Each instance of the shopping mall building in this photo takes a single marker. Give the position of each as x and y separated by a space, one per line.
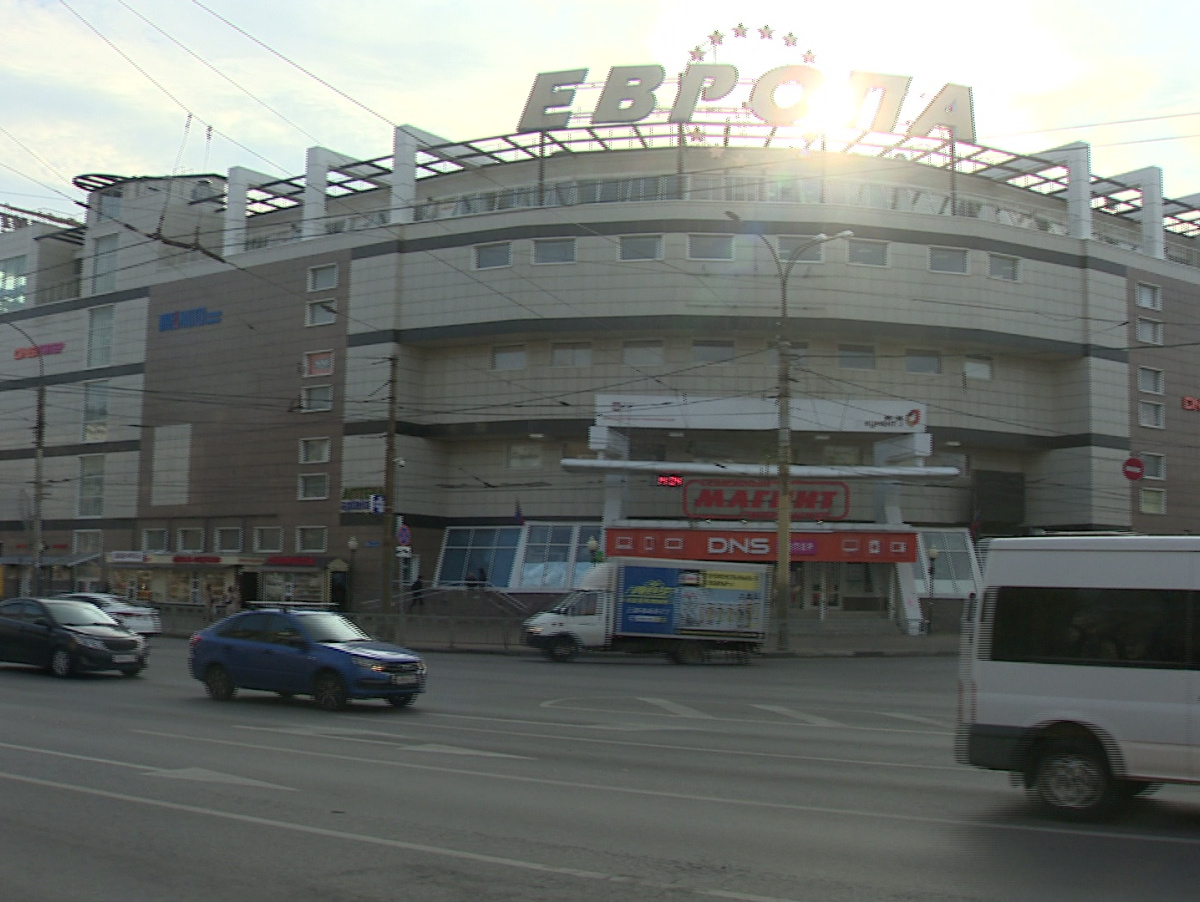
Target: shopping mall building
480 355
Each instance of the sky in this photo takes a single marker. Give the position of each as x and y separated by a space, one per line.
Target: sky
155 87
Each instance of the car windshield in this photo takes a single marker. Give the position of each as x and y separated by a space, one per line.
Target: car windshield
78 613
327 627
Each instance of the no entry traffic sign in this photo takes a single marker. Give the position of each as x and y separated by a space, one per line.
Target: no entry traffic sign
1133 468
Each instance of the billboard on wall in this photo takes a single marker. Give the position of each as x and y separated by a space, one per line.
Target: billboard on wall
688 544
757 499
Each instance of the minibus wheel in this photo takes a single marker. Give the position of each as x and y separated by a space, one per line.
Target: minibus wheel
1072 780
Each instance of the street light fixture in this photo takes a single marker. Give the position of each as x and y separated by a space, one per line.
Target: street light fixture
783 538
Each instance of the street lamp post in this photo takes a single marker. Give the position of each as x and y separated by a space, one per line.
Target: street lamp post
783 538
39 455
352 547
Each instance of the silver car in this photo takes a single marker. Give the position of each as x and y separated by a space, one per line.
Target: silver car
134 617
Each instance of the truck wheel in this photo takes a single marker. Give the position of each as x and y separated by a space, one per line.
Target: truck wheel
562 649
1071 780
688 652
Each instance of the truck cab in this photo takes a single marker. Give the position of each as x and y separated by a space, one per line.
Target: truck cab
581 620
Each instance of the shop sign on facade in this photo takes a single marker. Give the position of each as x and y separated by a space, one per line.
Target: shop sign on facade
753 499
747 545
628 97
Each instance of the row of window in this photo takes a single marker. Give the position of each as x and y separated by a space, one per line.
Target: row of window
229 540
708 247
652 352
1151 414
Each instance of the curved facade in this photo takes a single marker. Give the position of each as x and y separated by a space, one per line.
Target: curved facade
528 287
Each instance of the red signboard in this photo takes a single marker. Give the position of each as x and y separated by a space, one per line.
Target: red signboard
1133 468
757 499
746 545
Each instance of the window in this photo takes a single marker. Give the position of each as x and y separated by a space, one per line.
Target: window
1152 501
1156 465
641 247
977 367
12 283
925 362
323 278
191 539
947 259
310 538
315 450
316 398
1150 380
227 539
508 357
91 485
88 541
100 336
1149 297
313 486
1003 267
524 456
1152 415
710 247
469 551
109 203
856 357
549 551
573 353
268 538
320 313
154 541
642 353
1149 331
554 250
810 252
1090 626
867 253
95 411
104 264
491 256
712 351
318 363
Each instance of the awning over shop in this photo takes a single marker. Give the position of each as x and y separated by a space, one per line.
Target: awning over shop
49 560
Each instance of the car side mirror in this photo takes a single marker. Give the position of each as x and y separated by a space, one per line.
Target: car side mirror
296 642
41 621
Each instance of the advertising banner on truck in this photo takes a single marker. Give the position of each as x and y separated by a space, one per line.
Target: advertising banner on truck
674 601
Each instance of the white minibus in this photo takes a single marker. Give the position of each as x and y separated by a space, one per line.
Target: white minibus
1080 668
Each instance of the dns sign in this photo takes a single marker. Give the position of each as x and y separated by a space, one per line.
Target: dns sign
669 480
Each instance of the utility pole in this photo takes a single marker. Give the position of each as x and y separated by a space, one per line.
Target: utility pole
388 537
783 519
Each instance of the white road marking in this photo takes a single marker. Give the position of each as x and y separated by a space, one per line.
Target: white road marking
675 709
372 737
812 720
915 718
200 775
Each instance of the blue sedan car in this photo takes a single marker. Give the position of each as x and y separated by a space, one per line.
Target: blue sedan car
317 653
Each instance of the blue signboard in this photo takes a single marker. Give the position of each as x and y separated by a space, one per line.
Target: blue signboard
648 600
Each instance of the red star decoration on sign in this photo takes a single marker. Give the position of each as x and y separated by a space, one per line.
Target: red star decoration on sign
740 30
697 54
790 39
766 32
809 56
716 38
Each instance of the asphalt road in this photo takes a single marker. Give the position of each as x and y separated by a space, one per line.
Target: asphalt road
515 779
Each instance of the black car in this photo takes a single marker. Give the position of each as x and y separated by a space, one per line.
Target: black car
67 637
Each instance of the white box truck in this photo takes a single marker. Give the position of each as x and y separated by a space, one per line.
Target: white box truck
682 609
1080 668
